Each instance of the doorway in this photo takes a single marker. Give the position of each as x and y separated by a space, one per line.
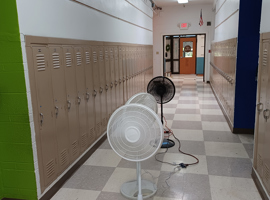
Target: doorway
184 54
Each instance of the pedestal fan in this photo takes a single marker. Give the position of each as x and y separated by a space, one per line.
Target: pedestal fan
135 133
163 91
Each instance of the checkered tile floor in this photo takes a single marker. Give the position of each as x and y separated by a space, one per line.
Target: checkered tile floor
196 119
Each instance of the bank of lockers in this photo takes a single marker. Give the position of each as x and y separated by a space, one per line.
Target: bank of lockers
75 89
262 130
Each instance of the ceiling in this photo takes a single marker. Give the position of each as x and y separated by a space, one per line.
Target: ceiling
162 3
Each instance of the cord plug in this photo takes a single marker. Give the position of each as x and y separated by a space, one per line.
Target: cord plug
183 165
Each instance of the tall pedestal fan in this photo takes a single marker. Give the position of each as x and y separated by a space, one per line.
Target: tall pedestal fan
163 90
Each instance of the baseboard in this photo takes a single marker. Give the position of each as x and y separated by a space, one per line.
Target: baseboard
243 131
259 185
52 191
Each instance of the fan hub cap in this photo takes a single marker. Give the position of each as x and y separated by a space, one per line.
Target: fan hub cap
132 134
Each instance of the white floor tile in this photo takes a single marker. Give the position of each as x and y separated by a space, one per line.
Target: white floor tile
246 138
188 98
224 149
184 134
188 106
208 102
75 194
211 112
103 157
187 117
215 126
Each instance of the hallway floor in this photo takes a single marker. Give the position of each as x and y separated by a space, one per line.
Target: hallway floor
224 170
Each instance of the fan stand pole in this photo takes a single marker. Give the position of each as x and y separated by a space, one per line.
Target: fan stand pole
139 179
161 110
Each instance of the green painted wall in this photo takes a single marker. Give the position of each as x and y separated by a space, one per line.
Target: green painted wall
17 177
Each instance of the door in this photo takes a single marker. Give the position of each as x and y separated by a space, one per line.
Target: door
188 55
108 82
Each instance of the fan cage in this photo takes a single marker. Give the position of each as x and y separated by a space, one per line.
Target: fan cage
142 119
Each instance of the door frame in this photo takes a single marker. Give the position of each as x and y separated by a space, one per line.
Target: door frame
183 35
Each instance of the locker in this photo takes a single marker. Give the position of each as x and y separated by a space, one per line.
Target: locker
90 99
96 93
112 84
81 97
71 102
116 76
120 72
102 83
124 79
128 61
108 89
48 163
59 98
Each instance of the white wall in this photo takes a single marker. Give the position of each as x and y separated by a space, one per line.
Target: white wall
265 25
68 19
226 19
166 23
200 46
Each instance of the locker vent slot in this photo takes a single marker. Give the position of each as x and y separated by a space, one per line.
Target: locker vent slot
63 157
94 56
87 56
106 56
75 147
111 54
56 61
79 58
101 55
68 59
83 140
265 53
50 168
98 129
92 135
259 163
266 172
104 122
40 62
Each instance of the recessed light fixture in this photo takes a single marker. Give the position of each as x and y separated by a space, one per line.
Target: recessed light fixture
182 1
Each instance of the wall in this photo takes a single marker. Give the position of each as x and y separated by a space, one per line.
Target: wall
200 55
126 21
166 23
17 177
265 25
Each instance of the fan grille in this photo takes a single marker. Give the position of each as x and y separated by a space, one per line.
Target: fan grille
144 99
135 132
162 89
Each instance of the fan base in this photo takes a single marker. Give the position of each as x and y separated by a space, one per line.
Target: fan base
130 189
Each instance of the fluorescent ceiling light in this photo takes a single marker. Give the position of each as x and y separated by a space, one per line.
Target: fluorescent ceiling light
182 1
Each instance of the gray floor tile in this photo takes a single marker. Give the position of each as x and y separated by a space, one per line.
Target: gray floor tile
204 106
90 178
224 166
105 145
184 186
169 116
188 94
207 98
213 118
191 147
249 149
220 136
188 102
194 125
187 111
112 196
169 105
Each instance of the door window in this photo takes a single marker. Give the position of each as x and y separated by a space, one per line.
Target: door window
187 49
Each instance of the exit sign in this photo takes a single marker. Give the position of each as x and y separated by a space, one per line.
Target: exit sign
184 25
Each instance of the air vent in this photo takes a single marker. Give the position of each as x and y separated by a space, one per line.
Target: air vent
106 55
94 56
87 56
101 55
68 59
63 157
79 58
83 140
74 147
265 56
40 62
56 61
50 168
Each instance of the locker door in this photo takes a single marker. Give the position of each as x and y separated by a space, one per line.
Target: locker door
112 84
120 70
59 99
262 106
96 93
116 76
127 71
90 100
124 71
81 91
102 91
71 100
46 126
108 82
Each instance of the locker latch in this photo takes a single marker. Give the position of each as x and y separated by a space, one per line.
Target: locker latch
106 87
266 114
56 110
100 90
95 93
111 84
41 118
79 100
68 104
260 107
87 96
115 82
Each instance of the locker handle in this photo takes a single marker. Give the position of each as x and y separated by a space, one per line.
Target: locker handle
41 118
100 90
69 104
79 100
123 79
95 93
87 96
106 87
120 80
115 82
56 110
111 84
260 107
266 117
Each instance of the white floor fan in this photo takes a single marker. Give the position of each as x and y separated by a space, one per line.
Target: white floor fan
135 133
